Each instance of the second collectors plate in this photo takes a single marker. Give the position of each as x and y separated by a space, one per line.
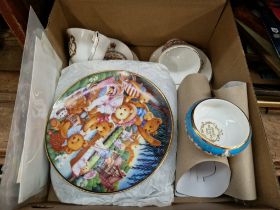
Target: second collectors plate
109 132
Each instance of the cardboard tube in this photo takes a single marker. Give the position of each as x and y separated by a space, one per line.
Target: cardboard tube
242 184
191 160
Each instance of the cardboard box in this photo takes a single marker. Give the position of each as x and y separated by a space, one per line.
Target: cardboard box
145 25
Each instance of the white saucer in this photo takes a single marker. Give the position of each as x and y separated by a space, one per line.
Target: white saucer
206 68
135 57
122 48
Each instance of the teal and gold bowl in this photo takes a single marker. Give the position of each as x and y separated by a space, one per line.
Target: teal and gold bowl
218 127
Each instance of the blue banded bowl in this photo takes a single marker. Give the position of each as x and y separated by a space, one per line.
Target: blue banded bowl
218 127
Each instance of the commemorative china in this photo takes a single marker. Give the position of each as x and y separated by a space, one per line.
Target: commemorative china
218 127
86 45
117 50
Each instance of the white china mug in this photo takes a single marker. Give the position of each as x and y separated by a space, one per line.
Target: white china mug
181 59
86 45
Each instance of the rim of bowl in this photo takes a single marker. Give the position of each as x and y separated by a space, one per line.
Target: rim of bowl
208 141
182 46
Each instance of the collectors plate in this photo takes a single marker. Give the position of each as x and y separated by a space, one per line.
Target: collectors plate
109 132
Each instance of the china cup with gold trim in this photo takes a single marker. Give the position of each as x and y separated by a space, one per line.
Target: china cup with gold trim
86 45
218 127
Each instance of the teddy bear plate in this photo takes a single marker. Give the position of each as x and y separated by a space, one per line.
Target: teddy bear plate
109 132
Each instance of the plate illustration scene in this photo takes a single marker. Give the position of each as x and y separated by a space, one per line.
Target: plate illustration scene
109 131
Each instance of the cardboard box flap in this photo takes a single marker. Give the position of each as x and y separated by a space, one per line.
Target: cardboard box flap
160 20
56 31
138 23
225 40
228 62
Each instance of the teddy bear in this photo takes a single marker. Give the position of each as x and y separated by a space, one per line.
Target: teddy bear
104 128
125 114
55 124
150 128
64 127
99 122
94 118
76 104
152 125
143 112
74 143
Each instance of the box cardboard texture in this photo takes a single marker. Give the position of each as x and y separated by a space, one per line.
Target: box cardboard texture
145 25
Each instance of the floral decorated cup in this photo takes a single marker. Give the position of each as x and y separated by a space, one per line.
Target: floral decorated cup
218 127
86 45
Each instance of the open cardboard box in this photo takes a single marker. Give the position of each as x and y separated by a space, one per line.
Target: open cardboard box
145 25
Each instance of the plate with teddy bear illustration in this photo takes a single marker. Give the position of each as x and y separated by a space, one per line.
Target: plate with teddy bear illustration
109 132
